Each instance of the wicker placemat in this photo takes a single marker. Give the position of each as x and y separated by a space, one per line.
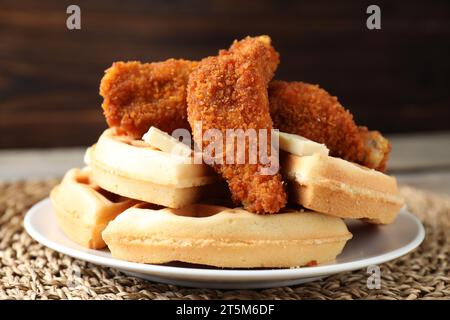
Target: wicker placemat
30 271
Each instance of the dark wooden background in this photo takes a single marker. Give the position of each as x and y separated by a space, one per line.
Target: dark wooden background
396 79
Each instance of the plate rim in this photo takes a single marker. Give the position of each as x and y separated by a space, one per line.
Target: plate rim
218 275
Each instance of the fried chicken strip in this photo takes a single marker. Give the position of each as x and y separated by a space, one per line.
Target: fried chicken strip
376 149
229 91
139 95
310 111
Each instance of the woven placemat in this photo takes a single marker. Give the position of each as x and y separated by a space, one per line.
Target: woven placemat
28 270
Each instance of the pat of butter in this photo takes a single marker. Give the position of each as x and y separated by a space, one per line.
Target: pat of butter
87 156
166 143
300 146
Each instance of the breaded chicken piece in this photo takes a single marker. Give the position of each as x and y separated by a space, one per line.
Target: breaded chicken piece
140 95
376 149
310 111
229 91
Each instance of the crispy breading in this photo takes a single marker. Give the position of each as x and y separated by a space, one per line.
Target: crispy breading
139 95
376 149
310 111
229 91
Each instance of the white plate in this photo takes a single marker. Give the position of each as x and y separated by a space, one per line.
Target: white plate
370 245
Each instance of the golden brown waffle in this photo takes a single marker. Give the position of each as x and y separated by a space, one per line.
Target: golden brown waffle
340 188
223 237
136 170
83 209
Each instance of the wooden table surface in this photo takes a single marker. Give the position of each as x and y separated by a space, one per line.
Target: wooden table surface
420 160
395 79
